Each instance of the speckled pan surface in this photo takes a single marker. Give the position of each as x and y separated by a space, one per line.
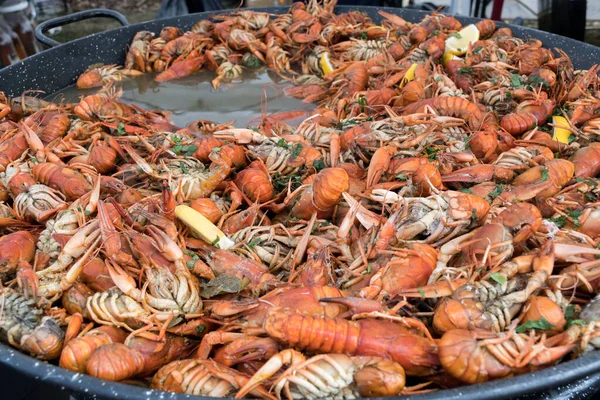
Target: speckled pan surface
568 380
59 67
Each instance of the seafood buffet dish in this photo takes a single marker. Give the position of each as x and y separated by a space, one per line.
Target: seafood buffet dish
430 224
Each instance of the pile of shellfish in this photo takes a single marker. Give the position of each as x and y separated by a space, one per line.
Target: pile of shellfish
430 224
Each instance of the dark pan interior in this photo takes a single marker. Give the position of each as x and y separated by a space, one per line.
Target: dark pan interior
59 67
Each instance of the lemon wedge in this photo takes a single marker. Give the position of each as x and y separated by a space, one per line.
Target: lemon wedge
561 129
203 228
325 64
458 43
409 75
447 57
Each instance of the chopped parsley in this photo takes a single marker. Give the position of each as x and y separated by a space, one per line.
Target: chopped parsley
515 79
431 152
496 192
184 149
558 221
541 324
362 102
296 150
254 242
319 164
575 214
536 80
121 129
498 277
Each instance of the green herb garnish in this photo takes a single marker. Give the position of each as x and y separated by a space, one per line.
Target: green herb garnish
558 221
536 80
254 242
184 149
498 277
318 165
296 150
431 152
362 102
541 324
496 192
579 322
516 81
575 214
121 129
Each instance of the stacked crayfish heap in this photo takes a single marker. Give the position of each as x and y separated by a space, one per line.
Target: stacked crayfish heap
426 220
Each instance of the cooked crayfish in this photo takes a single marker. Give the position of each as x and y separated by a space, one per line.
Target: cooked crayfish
435 216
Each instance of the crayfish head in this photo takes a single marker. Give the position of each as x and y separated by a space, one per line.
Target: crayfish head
383 378
466 205
522 219
45 341
454 314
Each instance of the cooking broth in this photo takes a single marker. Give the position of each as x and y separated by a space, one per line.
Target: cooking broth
193 98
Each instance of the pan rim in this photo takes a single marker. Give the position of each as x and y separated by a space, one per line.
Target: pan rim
546 378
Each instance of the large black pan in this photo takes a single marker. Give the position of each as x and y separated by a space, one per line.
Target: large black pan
57 68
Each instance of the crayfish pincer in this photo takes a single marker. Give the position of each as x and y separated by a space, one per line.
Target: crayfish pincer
23 325
418 355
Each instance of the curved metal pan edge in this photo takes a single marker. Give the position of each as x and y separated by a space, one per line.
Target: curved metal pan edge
84 386
57 68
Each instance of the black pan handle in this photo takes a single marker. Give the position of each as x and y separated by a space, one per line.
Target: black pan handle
40 31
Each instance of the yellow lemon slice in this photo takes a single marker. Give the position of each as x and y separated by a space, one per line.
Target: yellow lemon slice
447 57
561 129
409 75
202 227
458 43
325 64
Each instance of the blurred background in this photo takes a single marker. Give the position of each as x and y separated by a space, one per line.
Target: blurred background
578 19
